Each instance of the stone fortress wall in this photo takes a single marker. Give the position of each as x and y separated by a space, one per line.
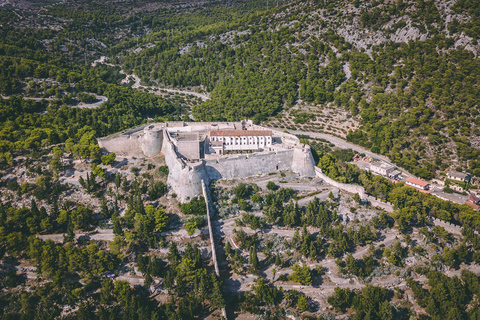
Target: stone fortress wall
129 142
185 176
351 188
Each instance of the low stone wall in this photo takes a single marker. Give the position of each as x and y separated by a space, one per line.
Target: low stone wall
351 188
450 227
387 206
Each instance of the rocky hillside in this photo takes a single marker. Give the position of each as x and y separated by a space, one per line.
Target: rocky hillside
407 69
405 72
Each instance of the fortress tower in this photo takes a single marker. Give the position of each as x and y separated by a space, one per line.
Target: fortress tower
152 140
302 162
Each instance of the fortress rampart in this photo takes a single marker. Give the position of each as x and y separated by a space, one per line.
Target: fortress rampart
185 176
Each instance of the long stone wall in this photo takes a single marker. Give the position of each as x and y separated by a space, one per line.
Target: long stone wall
342 186
450 227
122 143
206 196
241 166
210 230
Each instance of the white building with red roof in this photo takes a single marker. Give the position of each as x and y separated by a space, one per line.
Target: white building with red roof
419 184
239 140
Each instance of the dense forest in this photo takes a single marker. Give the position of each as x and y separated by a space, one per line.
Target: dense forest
406 71
412 97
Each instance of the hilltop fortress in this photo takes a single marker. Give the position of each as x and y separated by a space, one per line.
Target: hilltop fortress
196 151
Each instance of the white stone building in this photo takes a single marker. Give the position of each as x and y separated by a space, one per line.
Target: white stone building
239 140
381 168
418 184
458 176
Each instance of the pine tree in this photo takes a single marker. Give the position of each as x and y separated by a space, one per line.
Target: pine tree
296 238
117 228
70 236
302 303
304 248
254 259
118 180
312 251
148 280
34 209
106 291
173 255
278 260
216 297
55 210
228 248
83 183
104 209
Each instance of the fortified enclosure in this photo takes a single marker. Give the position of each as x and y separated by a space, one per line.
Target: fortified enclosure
212 151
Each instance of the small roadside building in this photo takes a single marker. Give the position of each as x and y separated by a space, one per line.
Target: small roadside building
381 168
458 176
418 184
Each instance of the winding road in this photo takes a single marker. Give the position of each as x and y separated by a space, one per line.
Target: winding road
93 105
338 142
137 85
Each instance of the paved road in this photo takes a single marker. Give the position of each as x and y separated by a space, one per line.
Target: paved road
137 85
346 145
100 236
30 98
100 100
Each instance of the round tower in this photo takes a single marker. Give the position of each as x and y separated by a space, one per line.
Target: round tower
189 181
303 162
152 141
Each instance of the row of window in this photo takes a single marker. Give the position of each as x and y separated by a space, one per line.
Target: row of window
237 139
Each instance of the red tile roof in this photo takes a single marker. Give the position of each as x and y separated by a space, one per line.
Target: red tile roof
473 205
473 198
418 182
239 133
